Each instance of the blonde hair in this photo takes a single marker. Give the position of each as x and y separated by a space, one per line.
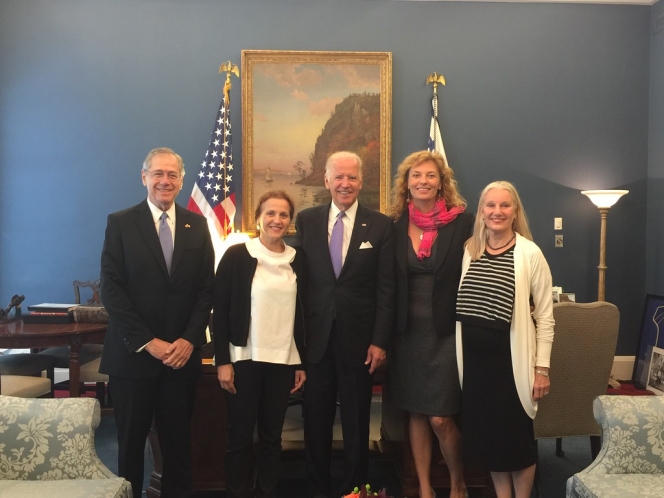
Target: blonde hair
477 243
400 192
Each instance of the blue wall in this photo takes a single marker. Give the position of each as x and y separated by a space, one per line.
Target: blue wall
554 98
655 231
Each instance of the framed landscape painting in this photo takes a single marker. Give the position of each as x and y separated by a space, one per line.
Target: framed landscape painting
298 108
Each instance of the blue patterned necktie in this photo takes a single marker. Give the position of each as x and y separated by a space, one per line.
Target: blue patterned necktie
337 244
166 240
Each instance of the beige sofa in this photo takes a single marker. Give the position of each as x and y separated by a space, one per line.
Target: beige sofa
47 450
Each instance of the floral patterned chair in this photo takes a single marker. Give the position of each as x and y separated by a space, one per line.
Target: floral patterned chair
47 450
631 460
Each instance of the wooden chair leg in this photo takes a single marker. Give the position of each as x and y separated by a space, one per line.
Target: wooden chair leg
50 373
100 388
595 445
537 485
559 447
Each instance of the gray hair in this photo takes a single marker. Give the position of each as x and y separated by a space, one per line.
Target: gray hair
337 156
163 150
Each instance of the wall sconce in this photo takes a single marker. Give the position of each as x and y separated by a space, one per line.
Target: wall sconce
603 199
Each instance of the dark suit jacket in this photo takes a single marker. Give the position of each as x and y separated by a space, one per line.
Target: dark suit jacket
362 299
232 301
449 253
143 301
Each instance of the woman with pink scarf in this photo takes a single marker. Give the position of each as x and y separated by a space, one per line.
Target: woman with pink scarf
431 229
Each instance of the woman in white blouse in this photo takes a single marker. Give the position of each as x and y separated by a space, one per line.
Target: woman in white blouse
259 342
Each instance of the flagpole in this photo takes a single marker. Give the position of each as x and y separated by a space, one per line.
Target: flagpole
227 67
435 138
436 78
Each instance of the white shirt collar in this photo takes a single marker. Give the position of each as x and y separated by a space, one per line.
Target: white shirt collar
156 212
351 212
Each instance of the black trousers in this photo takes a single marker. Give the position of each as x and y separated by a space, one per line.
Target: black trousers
330 377
261 400
170 402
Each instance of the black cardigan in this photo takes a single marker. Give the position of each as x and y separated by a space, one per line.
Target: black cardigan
232 301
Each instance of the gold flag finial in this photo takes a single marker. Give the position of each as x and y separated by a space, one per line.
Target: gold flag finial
228 67
436 78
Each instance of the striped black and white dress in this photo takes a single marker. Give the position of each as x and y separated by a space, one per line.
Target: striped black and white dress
497 434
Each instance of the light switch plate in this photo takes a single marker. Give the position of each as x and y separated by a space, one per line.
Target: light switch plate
557 223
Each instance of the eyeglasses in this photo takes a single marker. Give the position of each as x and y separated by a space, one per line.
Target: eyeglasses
159 175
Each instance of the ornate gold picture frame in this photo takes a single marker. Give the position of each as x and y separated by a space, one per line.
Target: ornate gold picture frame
298 108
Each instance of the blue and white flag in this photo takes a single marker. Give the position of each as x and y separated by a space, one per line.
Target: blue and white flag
435 138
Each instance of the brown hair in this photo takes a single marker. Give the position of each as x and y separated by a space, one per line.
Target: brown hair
274 194
400 190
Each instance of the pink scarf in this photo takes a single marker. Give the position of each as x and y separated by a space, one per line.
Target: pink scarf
430 222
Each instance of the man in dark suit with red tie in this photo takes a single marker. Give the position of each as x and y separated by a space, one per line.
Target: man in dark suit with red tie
157 268
350 319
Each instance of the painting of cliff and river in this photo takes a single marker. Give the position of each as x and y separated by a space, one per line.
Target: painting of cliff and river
300 107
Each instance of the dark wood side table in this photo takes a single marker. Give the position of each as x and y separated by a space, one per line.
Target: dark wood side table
21 335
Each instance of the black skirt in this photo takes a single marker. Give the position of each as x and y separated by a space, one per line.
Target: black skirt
497 433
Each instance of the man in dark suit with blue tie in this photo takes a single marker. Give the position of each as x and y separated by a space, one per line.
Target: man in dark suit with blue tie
350 319
157 268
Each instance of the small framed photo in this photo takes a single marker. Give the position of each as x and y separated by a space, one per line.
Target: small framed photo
556 291
649 339
656 374
567 297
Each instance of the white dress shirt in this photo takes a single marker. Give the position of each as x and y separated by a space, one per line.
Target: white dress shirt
156 215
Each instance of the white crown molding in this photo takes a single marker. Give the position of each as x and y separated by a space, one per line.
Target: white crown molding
605 2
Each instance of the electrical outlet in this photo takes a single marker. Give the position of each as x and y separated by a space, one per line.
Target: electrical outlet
557 223
559 241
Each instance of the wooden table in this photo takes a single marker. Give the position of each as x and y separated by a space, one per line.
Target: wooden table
17 335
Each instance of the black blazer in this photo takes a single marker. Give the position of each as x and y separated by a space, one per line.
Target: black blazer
143 301
362 299
232 301
449 254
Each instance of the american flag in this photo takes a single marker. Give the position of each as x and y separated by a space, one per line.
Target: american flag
435 138
214 191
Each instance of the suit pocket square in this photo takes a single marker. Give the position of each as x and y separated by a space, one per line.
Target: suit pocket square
366 245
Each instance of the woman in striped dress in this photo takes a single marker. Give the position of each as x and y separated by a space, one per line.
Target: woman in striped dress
503 356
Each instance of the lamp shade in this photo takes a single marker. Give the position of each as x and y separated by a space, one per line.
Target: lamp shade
604 198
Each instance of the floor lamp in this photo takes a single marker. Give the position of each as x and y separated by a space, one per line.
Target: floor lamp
603 199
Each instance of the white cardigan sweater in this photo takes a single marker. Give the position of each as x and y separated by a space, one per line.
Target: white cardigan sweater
530 345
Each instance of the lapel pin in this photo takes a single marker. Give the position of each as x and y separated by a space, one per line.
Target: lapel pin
187 225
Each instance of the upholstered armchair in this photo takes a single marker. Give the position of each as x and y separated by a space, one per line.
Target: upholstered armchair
47 450
631 460
581 359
